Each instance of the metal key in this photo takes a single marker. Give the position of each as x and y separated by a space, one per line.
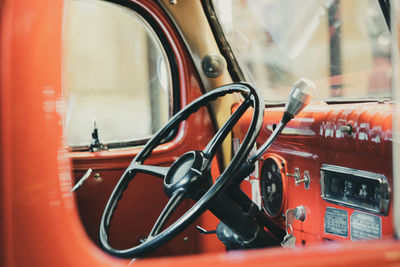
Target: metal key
288 241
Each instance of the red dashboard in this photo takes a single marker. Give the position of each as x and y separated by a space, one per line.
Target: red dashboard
355 141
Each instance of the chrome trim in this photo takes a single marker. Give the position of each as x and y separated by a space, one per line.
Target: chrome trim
383 182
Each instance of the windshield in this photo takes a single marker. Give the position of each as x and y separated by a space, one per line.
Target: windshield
343 46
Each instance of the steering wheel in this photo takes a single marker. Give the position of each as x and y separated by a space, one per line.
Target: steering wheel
189 176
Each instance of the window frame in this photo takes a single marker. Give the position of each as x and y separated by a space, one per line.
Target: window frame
174 91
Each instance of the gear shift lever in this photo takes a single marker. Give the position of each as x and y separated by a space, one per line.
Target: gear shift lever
299 97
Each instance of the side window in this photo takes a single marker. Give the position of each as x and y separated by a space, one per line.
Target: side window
115 72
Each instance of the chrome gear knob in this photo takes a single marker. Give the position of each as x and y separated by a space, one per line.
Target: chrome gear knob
300 95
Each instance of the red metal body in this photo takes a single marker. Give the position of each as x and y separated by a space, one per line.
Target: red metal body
40 222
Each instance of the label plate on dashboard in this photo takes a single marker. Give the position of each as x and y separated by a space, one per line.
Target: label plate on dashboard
336 222
365 226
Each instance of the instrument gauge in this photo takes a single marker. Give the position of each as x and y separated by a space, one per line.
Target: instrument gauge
272 187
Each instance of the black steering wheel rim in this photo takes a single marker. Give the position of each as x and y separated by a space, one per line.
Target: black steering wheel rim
222 182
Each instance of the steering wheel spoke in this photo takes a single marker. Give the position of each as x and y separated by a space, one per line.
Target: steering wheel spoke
171 206
220 136
150 169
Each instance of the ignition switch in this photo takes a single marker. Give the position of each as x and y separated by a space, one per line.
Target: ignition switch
300 213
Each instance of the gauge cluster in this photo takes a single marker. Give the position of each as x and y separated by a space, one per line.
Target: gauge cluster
272 186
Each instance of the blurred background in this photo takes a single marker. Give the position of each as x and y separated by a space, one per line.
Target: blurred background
343 46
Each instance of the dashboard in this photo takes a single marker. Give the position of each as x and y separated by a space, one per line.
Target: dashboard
329 174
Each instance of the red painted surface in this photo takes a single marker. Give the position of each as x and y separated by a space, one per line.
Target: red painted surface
385 253
313 138
40 224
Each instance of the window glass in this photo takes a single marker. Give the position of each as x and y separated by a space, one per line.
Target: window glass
343 46
115 72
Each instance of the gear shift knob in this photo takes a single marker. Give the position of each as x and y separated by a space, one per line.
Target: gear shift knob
300 95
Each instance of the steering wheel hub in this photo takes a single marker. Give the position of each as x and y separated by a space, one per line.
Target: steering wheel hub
186 174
